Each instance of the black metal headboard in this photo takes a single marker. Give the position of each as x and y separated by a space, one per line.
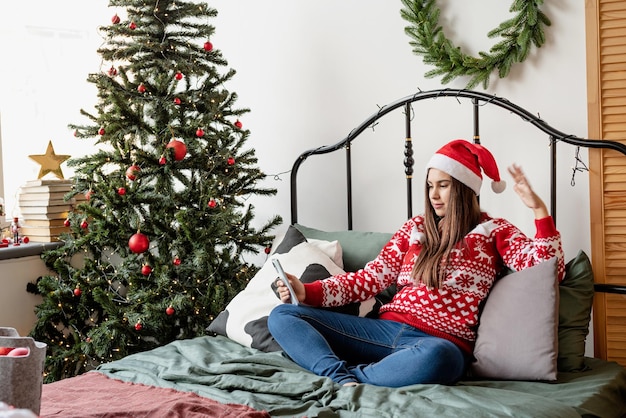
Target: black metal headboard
478 99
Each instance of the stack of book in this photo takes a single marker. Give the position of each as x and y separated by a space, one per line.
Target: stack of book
44 209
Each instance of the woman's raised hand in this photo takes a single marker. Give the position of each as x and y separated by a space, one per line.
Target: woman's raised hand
526 193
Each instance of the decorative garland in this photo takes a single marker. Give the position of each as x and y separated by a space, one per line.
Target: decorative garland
518 34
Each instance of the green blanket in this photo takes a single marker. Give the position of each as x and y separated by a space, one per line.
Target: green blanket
225 371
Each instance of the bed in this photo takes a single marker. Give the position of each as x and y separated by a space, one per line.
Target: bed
237 370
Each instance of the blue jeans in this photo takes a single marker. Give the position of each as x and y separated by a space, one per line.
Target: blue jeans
349 348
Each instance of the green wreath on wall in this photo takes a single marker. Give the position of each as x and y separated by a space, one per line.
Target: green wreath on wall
518 35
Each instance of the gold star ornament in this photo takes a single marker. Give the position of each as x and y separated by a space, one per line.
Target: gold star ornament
50 162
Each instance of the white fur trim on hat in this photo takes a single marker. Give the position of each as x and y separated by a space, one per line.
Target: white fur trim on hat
457 170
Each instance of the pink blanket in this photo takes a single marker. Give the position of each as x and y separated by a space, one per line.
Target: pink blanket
93 395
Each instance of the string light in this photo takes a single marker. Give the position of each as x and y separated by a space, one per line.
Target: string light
579 166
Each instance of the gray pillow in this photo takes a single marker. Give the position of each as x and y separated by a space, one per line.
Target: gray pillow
518 331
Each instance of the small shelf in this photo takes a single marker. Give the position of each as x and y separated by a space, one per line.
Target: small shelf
25 250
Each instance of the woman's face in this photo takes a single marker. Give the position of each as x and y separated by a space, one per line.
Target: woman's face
439 184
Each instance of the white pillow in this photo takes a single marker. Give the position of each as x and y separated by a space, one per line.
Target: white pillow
518 331
331 248
245 318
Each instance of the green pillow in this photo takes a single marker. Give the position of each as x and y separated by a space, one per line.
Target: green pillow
358 247
575 303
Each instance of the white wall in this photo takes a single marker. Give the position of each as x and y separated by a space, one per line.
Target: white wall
48 49
310 71
18 306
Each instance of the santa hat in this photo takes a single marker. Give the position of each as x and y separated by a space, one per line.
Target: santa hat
464 160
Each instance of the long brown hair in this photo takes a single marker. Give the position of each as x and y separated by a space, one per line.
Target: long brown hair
443 234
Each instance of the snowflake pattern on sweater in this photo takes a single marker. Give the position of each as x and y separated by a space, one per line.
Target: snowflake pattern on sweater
452 310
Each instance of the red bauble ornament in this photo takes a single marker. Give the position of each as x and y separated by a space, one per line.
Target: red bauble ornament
121 191
268 250
208 46
146 270
230 161
77 291
238 124
84 224
132 171
101 131
212 203
115 19
25 240
170 311
112 71
132 26
178 75
180 149
88 194
177 261
162 160
199 133
138 243
66 223
138 326
141 88
177 101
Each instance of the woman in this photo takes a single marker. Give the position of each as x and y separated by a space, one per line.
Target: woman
443 263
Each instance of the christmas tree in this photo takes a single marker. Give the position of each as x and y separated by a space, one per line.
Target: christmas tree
158 247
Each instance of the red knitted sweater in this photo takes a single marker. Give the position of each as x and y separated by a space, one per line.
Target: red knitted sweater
452 310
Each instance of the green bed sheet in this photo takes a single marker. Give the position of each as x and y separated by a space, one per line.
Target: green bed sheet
225 371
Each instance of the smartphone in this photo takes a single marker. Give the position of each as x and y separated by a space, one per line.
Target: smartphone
283 277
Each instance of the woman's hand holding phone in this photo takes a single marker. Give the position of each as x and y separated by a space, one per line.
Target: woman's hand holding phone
285 280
